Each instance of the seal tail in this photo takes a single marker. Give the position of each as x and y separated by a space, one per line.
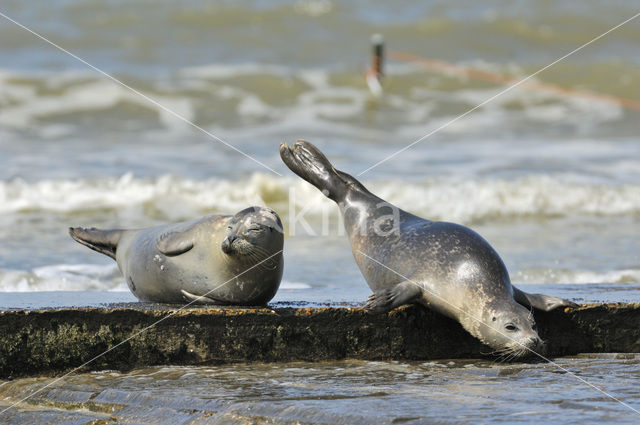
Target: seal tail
103 241
308 162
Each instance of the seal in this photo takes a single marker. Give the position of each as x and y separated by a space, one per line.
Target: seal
219 259
444 266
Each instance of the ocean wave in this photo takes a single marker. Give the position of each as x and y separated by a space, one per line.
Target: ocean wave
173 198
63 277
80 277
233 96
88 277
576 276
285 284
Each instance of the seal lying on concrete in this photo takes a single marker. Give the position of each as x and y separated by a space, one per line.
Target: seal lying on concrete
219 259
444 266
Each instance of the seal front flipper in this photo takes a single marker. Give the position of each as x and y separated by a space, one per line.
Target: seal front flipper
174 243
539 301
386 299
103 241
196 299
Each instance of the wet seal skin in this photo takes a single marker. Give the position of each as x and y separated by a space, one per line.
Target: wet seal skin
182 262
444 266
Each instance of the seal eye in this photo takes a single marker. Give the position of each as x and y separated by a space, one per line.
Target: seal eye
510 327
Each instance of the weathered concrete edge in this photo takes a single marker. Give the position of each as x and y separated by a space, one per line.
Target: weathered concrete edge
54 340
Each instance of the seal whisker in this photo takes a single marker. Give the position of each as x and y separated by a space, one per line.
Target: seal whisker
257 255
492 353
263 253
530 317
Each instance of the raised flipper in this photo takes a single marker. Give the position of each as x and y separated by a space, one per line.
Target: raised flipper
539 301
196 299
175 243
386 299
308 162
103 241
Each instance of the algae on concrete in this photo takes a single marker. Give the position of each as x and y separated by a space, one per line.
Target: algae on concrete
48 341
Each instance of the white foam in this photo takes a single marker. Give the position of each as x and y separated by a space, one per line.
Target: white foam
294 285
313 8
23 106
80 277
63 277
576 276
84 277
316 100
176 198
469 200
253 106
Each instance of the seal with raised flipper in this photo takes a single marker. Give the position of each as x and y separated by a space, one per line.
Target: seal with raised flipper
219 259
444 266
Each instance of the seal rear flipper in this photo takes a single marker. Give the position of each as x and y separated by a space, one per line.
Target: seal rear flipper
197 299
539 301
386 299
308 162
102 241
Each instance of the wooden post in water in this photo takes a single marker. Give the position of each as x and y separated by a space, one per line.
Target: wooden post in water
375 72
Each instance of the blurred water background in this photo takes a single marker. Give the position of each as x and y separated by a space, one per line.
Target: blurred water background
551 178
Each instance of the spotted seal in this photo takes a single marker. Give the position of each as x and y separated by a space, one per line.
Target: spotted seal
444 266
219 259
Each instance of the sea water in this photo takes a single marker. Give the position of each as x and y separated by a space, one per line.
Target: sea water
551 178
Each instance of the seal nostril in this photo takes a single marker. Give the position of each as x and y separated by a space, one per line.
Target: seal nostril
226 244
536 343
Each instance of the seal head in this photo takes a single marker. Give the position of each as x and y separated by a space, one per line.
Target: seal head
253 232
510 329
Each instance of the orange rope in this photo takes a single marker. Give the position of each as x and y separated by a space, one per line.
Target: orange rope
503 79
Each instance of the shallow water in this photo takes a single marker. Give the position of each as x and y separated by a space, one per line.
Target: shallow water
299 295
550 178
353 392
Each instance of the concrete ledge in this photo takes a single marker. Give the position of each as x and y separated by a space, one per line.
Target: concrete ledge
55 340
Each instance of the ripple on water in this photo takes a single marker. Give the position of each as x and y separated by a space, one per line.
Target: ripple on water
354 392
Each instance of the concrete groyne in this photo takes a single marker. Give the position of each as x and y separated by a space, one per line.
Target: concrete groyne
56 340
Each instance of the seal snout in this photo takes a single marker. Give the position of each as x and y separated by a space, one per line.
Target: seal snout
227 243
527 348
536 345
235 245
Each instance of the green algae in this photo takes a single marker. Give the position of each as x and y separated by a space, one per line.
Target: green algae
56 340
